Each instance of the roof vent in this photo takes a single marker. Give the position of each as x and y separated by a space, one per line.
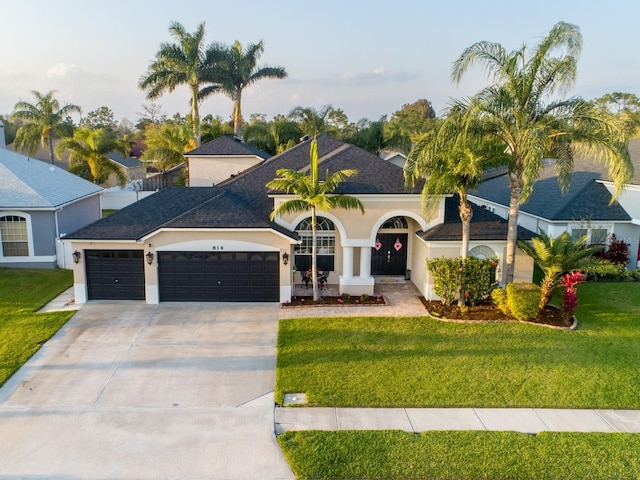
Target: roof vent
304 138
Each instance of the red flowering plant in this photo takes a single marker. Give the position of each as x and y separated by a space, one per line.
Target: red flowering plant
570 294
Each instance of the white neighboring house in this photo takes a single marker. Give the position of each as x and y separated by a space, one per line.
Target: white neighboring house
586 208
40 204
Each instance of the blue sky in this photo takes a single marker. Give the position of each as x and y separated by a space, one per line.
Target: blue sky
366 57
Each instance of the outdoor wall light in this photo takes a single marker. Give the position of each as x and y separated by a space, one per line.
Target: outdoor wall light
76 256
285 258
149 258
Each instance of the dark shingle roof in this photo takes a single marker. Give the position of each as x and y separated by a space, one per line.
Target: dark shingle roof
227 146
128 162
243 201
585 198
485 225
146 215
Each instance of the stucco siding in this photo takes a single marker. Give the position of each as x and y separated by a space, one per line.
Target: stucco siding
79 214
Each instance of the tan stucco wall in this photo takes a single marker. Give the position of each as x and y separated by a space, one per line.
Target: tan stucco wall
205 172
190 240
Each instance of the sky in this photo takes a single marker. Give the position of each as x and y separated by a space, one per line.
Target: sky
367 57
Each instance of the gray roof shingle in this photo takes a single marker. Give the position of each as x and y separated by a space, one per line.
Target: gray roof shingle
485 225
243 201
586 198
226 146
29 183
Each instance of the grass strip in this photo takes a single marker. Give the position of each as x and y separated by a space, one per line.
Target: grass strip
461 455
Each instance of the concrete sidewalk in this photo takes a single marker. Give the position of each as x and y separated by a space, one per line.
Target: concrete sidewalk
526 420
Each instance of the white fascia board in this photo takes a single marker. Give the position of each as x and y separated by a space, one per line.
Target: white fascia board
215 230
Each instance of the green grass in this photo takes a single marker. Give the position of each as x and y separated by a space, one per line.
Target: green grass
22 332
421 362
461 455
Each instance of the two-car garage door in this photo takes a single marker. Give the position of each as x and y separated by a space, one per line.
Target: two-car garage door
219 276
185 276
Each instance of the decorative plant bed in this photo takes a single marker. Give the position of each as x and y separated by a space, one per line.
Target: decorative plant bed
488 312
333 301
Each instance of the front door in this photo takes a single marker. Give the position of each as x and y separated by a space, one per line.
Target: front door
389 256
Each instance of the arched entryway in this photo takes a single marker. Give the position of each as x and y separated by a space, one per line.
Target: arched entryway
389 255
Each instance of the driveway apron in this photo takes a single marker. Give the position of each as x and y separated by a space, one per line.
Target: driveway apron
133 391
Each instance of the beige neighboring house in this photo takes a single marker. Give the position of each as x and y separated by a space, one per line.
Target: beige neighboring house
217 243
132 168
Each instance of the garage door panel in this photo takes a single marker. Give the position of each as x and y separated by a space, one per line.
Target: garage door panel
115 274
219 276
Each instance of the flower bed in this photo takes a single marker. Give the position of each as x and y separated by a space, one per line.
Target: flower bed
333 301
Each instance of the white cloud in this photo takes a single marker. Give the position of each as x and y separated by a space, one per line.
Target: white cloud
59 70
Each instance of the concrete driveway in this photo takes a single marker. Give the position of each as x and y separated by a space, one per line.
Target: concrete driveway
134 391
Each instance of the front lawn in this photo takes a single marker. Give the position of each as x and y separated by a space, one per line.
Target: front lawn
22 332
421 362
461 455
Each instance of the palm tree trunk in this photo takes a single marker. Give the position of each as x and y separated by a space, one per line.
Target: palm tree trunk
515 187
51 148
466 213
314 258
547 286
237 116
195 115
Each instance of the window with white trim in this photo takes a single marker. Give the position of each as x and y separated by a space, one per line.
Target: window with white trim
595 235
325 244
15 237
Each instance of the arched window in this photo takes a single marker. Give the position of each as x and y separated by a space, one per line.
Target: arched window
325 244
395 223
482 252
15 237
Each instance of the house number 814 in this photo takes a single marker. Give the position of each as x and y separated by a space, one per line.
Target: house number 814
216 248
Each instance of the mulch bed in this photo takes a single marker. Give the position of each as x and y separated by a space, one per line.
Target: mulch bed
332 301
488 312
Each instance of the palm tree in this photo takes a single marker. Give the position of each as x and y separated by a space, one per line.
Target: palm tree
183 62
312 194
313 121
235 68
272 137
88 154
167 144
519 110
561 255
452 159
43 120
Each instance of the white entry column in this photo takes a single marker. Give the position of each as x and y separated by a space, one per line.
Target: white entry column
347 262
365 262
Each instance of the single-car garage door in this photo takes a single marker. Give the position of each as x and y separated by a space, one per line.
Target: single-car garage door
115 274
219 276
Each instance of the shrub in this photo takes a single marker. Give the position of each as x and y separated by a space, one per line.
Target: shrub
449 273
617 252
364 297
479 278
447 277
523 300
499 297
345 297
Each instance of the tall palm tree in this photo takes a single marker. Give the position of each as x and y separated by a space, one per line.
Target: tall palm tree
234 68
312 194
88 154
452 159
43 121
561 255
183 62
519 110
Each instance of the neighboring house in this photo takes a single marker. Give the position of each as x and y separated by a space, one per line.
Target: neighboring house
132 168
397 158
232 157
586 208
40 204
218 243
